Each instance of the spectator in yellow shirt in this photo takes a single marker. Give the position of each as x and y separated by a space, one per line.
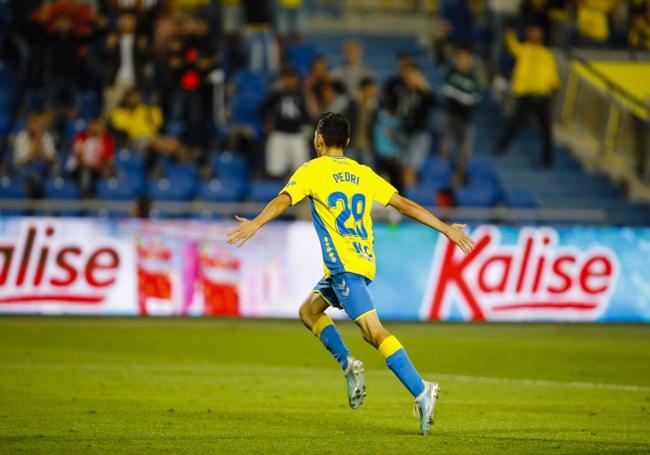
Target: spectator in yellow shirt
140 123
534 81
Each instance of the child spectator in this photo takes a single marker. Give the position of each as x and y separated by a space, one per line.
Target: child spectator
34 154
93 151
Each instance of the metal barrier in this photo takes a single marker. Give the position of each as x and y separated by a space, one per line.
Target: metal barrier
615 119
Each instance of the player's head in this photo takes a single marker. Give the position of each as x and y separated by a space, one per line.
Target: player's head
332 132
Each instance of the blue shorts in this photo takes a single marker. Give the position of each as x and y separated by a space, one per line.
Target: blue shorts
347 291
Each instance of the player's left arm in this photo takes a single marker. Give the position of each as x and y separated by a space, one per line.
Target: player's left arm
414 210
247 228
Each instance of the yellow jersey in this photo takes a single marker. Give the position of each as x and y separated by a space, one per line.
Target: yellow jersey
341 192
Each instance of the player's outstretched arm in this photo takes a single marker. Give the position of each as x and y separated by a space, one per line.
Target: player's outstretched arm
247 228
414 210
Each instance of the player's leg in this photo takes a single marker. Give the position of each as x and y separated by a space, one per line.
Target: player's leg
392 350
425 393
312 314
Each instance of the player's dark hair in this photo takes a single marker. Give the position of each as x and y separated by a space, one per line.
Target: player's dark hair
335 129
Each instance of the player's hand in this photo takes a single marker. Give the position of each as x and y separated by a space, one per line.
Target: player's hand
456 234
240 234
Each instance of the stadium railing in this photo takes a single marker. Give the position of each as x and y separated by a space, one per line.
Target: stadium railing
201 209
613 117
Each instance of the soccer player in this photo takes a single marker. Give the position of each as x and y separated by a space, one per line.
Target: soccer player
341 192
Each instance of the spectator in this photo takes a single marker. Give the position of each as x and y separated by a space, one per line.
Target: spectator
460 93
125 56
332 97
501 13
395 86
639 35
285 113
263 53
192 94
414 107
231 16
353 69
319 73
388 138
534 80
536 12
140 124
64 64
93 151
362 116
34 154
168 26
289 21
593 21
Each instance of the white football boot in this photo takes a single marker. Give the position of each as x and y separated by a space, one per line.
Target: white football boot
354 377
425 405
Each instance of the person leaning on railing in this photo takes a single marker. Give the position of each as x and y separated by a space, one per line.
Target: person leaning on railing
534 81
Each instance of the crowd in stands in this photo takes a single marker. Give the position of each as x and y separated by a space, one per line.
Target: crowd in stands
173 80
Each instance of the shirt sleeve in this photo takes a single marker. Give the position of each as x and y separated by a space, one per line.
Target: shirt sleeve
383 191
298 186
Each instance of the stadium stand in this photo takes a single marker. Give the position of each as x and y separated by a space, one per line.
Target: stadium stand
181 174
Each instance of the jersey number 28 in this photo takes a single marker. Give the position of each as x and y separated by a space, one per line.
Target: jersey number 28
354 208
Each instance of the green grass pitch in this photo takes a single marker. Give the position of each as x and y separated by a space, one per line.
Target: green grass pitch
86 385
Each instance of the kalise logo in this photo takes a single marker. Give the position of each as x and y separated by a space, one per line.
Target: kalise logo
39 267
532 279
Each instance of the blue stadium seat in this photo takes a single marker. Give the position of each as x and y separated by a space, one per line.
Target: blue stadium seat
174 187
265 190
215 190
129 160
422 194
301 56
520 199
246 81
229 165
12 188
62 188
124 188
435 170
478 194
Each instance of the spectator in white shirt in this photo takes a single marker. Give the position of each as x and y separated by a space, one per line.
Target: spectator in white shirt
34 154
353 71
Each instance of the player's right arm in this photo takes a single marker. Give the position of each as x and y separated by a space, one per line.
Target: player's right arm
414 210
247 228
295 191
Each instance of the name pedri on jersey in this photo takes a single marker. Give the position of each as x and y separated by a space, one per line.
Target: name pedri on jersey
341 192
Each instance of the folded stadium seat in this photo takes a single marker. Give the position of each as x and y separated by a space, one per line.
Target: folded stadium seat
126 159
478 194
187 170
481 169
520 199
265 190
174 187
422 194
244 108
229 164
435 169
12 188
216 190
124 187
62 188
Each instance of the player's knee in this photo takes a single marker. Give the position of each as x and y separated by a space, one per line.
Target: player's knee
307 313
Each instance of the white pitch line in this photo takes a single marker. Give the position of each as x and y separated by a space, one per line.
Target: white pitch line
438 376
